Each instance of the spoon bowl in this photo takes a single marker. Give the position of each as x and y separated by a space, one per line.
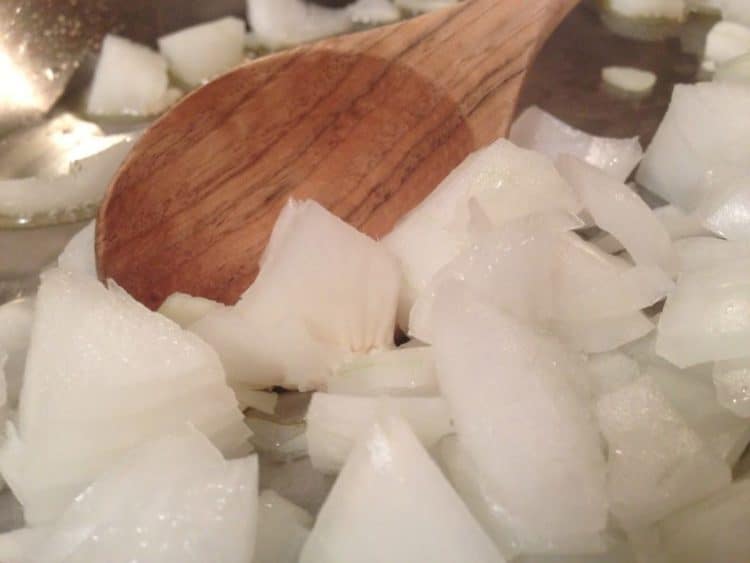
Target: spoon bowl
367 124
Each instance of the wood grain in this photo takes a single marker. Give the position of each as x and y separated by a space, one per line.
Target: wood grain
367 124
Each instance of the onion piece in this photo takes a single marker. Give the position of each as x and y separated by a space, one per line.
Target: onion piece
146 507
78 255
16 318
638 287
284 23
707 7
629 81
535 272
200 52
714 529
462 473
604 335
260 355
130 79
261 401
4 403
334 422
273 438
502 181
301 318
732 381
691 393
105 374
611 371
373 12
705 132
84 184
391 503
16 545
465 478
186 309
677 223
283 528
649 9
521 415
735 10
656 463
727 210
734 70
537 130
725 41
707 317
421 6
404 371
699 253
618 210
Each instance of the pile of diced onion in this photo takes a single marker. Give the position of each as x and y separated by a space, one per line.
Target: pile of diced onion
533 366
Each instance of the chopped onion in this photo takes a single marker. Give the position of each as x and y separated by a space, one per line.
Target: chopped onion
373 12
714 529
705 132
175 500
691 393
727 210
708 7
404 371
535 272
283 23
420 6
104 374
699 253
732 381
656 463
462 473
604 335
707 317
254 354
78 255
504 182
84 184
519 412
735 10
537 130
611 371
276 439
677 223
130 79
725 41
186 309
618 210
283 528
734 70
334 422
200 52
261 401
4 406
392 503
301 318
629 81
16 318
16 545
639 287
649 9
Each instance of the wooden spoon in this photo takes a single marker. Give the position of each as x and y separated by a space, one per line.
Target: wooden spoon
367 124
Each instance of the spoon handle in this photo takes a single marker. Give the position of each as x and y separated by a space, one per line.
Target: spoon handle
476 52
